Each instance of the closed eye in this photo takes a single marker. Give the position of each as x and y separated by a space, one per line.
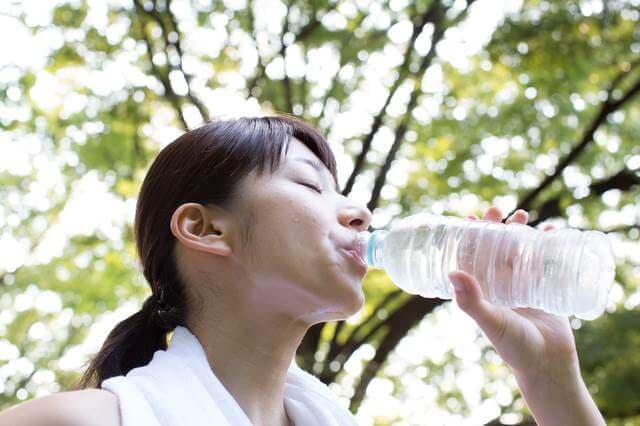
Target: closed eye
315 188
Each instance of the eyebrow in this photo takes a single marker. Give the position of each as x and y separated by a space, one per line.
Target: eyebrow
316 165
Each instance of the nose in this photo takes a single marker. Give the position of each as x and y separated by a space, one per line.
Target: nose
355 216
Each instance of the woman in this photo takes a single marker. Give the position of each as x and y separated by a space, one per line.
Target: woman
242 235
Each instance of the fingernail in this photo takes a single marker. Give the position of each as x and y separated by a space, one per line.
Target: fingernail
458 285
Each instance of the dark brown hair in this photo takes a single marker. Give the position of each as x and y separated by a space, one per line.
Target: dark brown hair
204 165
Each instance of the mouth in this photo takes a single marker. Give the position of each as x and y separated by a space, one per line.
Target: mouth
356 259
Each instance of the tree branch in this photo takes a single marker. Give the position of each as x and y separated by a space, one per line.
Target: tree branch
606 108
351 343
301 35
624 180
253 82
175 99
202 109
429 16
304 84
399 323
309 346
404 124
388 299
288 94
358 76
171 96
621 76
313 23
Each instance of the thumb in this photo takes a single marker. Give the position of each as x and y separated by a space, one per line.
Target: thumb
470 299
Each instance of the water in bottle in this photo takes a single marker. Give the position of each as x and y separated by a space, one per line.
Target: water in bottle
561 271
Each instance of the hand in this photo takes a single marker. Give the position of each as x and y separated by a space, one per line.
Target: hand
538 346
535 344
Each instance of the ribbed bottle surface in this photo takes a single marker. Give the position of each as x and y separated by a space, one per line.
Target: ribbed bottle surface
562 271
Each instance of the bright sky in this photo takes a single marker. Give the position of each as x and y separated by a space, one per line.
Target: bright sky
92 208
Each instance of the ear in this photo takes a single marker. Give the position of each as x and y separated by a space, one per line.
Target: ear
200 228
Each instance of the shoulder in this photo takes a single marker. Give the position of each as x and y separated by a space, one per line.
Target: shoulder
87 407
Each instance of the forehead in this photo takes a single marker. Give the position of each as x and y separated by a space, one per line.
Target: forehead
309 161
296 148
298 154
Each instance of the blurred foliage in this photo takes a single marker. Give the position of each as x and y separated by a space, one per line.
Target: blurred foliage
488 131
609 357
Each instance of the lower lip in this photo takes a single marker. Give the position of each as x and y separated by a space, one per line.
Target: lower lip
357 260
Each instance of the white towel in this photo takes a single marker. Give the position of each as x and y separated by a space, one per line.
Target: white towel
178 387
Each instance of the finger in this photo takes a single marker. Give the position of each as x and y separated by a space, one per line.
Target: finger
494 214
520 216
472 217
469 297
548 228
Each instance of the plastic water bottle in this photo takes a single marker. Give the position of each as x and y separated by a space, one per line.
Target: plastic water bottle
561 271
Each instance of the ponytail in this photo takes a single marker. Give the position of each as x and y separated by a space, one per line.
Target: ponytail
132 342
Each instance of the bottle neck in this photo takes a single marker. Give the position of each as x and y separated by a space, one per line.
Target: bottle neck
373 254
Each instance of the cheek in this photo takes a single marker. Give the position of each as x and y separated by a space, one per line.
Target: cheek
308 236
308 243
294 230
301 219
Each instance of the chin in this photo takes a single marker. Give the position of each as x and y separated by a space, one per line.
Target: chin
342 311
353 308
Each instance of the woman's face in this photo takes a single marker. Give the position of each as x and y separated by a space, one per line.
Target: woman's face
295 258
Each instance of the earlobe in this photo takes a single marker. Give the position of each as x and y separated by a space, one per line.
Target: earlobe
193 227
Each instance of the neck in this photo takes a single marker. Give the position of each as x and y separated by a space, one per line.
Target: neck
250 354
